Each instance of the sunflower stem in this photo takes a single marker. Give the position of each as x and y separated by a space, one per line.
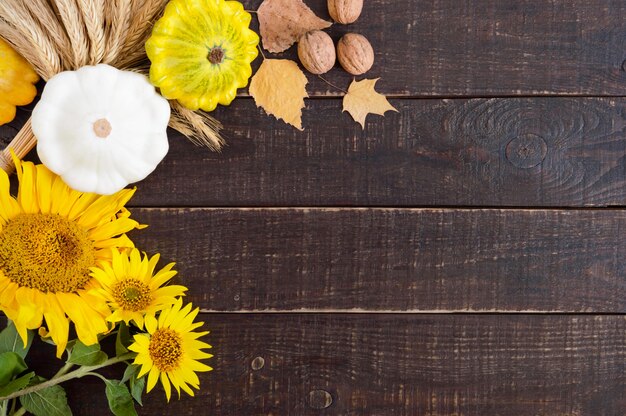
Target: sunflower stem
100 376
78 373
63 370
19 412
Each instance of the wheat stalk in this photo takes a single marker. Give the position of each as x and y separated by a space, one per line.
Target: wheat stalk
21 144
56 35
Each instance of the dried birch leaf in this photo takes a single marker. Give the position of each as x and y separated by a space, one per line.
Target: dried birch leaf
279 87
362 100
282 22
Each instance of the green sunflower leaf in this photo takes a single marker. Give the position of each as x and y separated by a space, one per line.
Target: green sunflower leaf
137 386
87 355
11 364
120 400
123 340
130 373
11 341
17 384
50 401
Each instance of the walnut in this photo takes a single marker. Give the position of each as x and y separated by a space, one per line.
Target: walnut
316 51
355 53
345 11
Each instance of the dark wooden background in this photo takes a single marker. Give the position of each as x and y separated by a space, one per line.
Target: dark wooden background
465 256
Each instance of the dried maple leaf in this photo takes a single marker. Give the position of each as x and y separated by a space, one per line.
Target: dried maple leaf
362 100
279 87
282 22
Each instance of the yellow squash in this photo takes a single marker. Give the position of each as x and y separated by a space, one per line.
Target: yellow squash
201 52
17 79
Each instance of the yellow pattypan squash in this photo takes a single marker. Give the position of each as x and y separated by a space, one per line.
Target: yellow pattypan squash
201 52
17 82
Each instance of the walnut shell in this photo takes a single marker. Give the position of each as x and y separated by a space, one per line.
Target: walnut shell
355 53
316 51
345 11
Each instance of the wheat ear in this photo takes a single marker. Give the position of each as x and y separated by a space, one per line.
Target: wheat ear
23 46
46 17
14 13
93 17
117 19
73 21
139 32
199 127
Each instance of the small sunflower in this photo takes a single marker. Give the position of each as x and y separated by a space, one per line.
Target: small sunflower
170 350
132 289
50 235
201 52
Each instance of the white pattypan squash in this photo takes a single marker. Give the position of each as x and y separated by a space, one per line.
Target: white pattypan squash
100 128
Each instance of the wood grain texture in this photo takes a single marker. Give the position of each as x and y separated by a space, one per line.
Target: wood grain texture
564 152
486 47
393 259
400 365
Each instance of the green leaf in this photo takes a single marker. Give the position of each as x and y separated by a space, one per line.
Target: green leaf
17 384
11 364
69 346
90 355
120 400
130 372
137 386
50 401
123 340
10 340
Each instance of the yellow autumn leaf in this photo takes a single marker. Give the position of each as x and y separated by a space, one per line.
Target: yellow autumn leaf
362 100
279 87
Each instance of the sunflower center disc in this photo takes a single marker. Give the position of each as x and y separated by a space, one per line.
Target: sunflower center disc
132 295
102 128
216 55
165 349
46 252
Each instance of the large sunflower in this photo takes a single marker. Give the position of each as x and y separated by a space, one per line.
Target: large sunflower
132 289
50 235
201 52
170 350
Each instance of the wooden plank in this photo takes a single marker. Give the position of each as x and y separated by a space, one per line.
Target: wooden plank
401 365
563 152
487 47
480 152
393 259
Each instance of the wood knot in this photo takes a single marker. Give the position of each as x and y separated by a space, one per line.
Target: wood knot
258 363
526 151
320 399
